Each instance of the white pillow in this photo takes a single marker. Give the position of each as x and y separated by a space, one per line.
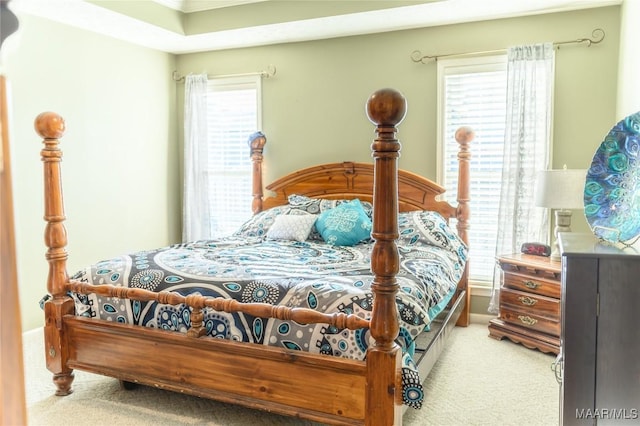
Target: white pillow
291 227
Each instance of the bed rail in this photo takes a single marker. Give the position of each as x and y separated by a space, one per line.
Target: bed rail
197 303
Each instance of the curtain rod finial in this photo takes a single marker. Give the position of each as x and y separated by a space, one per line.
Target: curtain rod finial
271 71
176 77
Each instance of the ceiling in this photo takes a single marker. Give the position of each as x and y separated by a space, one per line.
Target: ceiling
331 20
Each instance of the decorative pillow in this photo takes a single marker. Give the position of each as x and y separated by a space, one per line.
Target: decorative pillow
259 224
291 227
345 225
430 228
319 205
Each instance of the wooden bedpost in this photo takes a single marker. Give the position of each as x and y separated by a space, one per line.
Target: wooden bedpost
256 143
464 136
50 126
385 108
12 397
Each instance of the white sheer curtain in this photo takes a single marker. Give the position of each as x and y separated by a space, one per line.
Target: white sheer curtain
195 207
530 74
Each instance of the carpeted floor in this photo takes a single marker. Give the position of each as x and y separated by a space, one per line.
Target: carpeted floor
477 381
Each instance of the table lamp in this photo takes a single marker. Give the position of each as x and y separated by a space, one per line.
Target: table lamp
561 190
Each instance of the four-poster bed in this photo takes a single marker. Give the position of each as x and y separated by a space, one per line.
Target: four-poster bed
329 389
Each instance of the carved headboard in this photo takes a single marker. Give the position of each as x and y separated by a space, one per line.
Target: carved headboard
349 180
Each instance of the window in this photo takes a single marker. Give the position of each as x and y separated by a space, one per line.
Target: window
472 92
233 113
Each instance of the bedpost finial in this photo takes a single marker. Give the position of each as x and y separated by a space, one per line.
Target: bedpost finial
386 107
464 134
256 140
49 125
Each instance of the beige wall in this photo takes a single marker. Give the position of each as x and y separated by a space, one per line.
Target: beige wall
314 106
120 148
629 65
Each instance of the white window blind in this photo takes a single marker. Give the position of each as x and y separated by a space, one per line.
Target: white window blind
233 115
472 92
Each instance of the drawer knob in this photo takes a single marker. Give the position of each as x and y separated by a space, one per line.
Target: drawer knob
531 284
526 300
527 320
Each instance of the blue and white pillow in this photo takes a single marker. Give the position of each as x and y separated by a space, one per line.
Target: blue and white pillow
345 225
428 227
320 205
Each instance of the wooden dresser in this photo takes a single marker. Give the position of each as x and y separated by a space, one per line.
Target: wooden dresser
599 367
529 302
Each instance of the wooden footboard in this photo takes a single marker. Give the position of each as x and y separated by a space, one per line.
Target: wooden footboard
320 388
343 391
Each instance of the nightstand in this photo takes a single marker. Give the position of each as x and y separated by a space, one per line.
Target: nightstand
529 302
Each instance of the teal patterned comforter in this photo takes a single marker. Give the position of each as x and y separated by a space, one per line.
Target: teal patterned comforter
248 267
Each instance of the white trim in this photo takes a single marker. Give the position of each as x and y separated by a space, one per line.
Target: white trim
172 4
191 6
483 290
91 17
236 82
480 318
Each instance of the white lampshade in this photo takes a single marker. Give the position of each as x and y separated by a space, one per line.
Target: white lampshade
560 189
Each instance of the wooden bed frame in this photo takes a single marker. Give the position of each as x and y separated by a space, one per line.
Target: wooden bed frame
344 391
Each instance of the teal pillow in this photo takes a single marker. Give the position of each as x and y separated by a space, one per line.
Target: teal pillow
344 225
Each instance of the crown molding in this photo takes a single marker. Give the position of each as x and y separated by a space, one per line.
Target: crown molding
88 16
191 6
172 4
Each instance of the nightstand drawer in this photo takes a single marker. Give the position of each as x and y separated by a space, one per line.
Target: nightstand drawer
531 284
529 320
529 303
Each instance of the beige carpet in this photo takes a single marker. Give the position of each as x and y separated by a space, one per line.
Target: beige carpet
477 381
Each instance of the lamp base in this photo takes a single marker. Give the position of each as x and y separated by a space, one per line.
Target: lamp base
563 224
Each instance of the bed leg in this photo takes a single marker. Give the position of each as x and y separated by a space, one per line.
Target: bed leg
63 383
128 385
56 352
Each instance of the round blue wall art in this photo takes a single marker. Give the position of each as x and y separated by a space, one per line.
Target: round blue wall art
612 187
